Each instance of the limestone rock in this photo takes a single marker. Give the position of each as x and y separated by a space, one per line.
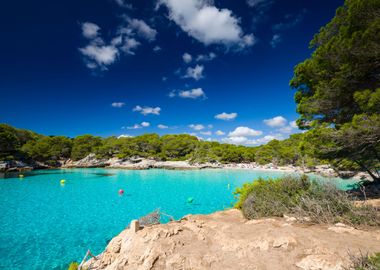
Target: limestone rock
225 240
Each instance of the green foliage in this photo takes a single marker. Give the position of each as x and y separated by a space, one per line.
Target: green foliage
344 64
73 266
338 88
272 197
48 148
11 140
26 145
300 197
84 145
178 146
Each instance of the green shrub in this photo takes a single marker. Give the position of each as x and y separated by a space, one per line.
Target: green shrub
300 197
365 262
73 266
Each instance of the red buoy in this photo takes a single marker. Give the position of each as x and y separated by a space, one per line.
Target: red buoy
121 191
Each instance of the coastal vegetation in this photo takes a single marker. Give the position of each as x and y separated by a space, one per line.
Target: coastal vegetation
304 200
20 144
338 88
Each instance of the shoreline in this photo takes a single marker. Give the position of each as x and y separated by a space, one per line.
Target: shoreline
145 164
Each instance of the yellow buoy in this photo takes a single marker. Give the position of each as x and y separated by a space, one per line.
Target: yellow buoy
63 182
21 176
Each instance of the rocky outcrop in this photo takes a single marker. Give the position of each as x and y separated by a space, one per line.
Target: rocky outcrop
90 161
142 163
226 240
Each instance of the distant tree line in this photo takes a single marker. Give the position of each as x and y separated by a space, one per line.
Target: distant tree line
20 144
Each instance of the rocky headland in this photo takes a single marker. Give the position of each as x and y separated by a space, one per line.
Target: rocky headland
226 240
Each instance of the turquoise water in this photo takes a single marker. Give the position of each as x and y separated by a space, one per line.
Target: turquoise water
46 225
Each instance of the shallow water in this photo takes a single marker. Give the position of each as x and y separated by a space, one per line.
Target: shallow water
46 225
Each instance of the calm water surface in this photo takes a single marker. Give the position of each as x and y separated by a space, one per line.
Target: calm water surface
46 225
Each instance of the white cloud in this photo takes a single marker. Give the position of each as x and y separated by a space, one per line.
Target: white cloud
124 136
99 55
208 24
226 116
138 126
244 140
142 29
197 126
187 58
192 93
206 57
220 133
90 30
237 140
289 128
118 104
245 132
147 110
207 133
160 126
195 73
130 44
275 40
277 121
286 129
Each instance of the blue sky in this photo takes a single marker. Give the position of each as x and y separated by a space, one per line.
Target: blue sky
216 69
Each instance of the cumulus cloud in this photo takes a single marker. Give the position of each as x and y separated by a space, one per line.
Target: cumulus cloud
277 121
197 127
99 54
161 126
244 140
207 133
293 124
191 94
138 126
245 132
90 30
220 133
124 136
187 58
206 57
141 29
206 23
289 128
226 116
147 110
195 73
118 104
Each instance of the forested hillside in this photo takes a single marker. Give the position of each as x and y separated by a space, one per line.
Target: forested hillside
19 144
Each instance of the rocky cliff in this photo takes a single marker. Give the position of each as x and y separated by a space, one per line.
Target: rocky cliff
226 240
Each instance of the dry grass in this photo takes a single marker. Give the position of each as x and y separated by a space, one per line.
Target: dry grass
300 197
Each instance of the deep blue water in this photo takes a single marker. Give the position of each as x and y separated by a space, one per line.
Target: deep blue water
46 225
